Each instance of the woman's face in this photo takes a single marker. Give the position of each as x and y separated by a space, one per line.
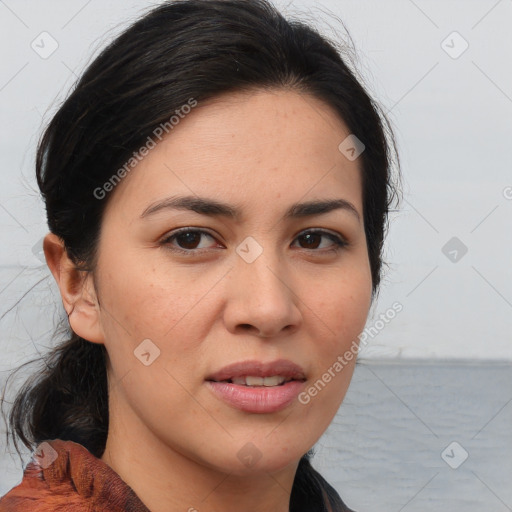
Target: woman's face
242 282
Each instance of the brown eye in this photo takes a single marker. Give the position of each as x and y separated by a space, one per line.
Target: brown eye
316 240
310 240
189 240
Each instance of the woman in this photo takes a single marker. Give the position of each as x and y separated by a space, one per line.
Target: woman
217 188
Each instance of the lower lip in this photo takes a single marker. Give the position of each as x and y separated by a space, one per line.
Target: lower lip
260 399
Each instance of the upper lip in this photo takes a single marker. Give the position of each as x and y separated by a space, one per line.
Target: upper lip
254 368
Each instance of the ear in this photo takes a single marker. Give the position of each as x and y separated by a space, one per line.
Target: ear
76 289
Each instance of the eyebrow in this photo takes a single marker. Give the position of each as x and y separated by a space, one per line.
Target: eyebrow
213 207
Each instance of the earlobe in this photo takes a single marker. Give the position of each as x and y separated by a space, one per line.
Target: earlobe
76 289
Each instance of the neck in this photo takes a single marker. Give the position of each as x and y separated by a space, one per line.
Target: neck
166 480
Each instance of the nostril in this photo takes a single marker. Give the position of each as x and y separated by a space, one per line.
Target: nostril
246 327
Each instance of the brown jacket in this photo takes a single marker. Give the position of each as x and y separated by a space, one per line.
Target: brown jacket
65 476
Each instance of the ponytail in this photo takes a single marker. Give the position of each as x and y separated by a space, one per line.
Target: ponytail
68 399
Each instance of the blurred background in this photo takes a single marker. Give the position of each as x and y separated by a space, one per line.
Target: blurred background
427 421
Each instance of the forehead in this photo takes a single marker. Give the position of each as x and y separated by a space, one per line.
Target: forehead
242 147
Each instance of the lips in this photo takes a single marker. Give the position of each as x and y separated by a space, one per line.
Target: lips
282 367
257 387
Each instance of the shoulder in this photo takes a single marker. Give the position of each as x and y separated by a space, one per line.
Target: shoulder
65 476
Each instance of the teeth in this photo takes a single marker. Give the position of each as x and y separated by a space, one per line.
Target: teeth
275 380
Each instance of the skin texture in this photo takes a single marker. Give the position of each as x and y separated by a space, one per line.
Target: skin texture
171 439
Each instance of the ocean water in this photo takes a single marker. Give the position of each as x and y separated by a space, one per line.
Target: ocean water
411 436
421 436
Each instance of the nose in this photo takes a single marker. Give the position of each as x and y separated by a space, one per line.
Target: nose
261 299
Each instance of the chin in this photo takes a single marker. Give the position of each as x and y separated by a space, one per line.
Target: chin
260 456
249 460
263 466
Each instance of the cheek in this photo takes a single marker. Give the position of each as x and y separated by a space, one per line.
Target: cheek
342 319
146 314
339 311
341 307
142 299
171 308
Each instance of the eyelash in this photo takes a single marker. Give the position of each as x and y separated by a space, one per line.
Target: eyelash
339 243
